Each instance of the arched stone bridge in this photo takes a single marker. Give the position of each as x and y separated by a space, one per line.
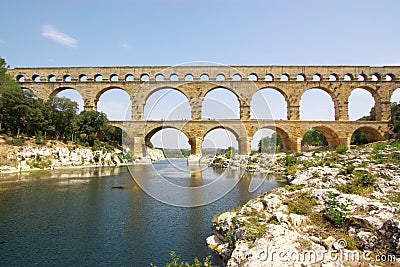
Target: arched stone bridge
244 81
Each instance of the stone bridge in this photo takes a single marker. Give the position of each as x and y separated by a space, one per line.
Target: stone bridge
243 81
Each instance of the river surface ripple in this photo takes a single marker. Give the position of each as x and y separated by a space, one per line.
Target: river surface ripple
75 217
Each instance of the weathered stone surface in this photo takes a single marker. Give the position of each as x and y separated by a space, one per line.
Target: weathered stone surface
292 130
372 219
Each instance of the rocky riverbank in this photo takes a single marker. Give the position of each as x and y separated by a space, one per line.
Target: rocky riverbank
57 155
341 208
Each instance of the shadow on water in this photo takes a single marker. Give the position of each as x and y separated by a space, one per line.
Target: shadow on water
76 217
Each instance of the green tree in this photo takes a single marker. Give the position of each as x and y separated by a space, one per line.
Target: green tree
94 125
314 138
65 117
270 143
358 138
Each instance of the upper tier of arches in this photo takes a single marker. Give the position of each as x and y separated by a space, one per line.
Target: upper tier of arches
207 73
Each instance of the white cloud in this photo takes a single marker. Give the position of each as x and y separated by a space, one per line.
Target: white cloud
49 31
124 44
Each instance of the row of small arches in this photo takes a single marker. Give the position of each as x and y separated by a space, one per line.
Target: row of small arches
219 77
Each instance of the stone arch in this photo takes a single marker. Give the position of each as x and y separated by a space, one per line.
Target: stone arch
156 89
36 78
362 77
129 78
317 77
52 78
277 90
174 77
102 91
152 132
189 77
390 77
333 98
159 77
83 78
204 77
67 78
375 97
395 96
333 77
348 77
236 77
375 77
329 133
144 77
269 77
285 77
228 131
20 78
253 77
75 98
152 107
213 104
114 77
301 77
370 133
278 131
220 77
98 78
63 88
118 103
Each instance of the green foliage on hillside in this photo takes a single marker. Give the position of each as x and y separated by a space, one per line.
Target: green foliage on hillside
22 114
359 138
314 138
270 143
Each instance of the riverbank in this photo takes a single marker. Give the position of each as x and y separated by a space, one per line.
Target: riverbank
341 208
58 155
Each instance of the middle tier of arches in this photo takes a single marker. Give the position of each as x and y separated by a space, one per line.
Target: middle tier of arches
290 97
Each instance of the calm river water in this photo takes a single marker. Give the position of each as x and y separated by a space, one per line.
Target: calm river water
76 218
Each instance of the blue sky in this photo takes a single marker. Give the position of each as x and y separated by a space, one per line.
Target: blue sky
155 32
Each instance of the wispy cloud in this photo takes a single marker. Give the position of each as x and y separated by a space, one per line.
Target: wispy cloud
49 31
124 44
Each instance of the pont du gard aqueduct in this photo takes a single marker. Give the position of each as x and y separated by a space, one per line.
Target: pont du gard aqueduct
196 81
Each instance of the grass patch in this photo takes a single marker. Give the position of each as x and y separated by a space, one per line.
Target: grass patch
378 146
362 184
302 204
341 149
395 198
292 188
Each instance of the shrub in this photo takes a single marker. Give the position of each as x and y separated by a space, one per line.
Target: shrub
378 146
19 141
361 184
176 262
336 211
347 170
341 149
39 139
395 144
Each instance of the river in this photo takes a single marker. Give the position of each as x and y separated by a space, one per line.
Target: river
75 217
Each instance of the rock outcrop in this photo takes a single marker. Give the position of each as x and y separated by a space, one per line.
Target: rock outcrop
27 158
339 209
